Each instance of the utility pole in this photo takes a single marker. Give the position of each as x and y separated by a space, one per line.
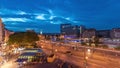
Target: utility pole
85 58
80 33
51 43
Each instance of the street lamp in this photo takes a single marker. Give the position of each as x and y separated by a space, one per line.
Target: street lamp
24 62
86 55
42 46
56 50
85 59
51 43
93 46
89 52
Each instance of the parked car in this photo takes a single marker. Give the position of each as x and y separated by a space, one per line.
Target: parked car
68 52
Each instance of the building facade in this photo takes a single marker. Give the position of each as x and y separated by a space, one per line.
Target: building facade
103 33
70 31
64 28
7 34
81 30
89 33
115 33
2 33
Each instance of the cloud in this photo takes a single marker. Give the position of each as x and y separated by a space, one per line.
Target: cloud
21 13
15 19
52 17
14 12
41 17
50 11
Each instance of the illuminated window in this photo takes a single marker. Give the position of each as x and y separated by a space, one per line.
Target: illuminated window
63 26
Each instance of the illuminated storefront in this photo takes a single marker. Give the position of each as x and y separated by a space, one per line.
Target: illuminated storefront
31 55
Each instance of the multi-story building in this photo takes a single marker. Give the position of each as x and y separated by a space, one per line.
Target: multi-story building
70 31
81 30
7 34
115 33
89 33
103 33
64 28
2 33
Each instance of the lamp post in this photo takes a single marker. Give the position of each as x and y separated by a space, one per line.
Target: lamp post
93 46
51 40
85 59
87 53
51 44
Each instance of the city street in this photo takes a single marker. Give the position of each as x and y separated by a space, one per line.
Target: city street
57 63
10 63
59 33
96 60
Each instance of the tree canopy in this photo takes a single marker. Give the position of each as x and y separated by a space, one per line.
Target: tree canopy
23 39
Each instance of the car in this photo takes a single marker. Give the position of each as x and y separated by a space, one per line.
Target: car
68 52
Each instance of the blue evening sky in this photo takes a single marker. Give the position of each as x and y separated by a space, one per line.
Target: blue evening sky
47 15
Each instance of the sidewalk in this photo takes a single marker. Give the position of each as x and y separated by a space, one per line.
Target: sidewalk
9 64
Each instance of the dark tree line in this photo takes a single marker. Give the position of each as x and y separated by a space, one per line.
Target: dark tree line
23 39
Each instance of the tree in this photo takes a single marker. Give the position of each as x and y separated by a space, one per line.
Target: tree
95 40
117 48
23 39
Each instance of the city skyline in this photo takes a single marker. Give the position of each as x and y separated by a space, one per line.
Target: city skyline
48 15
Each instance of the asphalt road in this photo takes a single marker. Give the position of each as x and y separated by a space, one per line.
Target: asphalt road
97 60
58 63
100 59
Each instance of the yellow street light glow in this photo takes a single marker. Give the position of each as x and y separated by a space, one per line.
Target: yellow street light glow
86 57
31 51
56 50
24 62
89 50
41 46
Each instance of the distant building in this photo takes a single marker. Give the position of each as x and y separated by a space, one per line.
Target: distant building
103 33
50 35
7 34
2 33
89 33
115 33
30 30
70 31
64 27
81 30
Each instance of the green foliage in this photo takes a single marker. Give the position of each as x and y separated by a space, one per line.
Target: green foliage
83 43
117 48
103 46
23 38
96 41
